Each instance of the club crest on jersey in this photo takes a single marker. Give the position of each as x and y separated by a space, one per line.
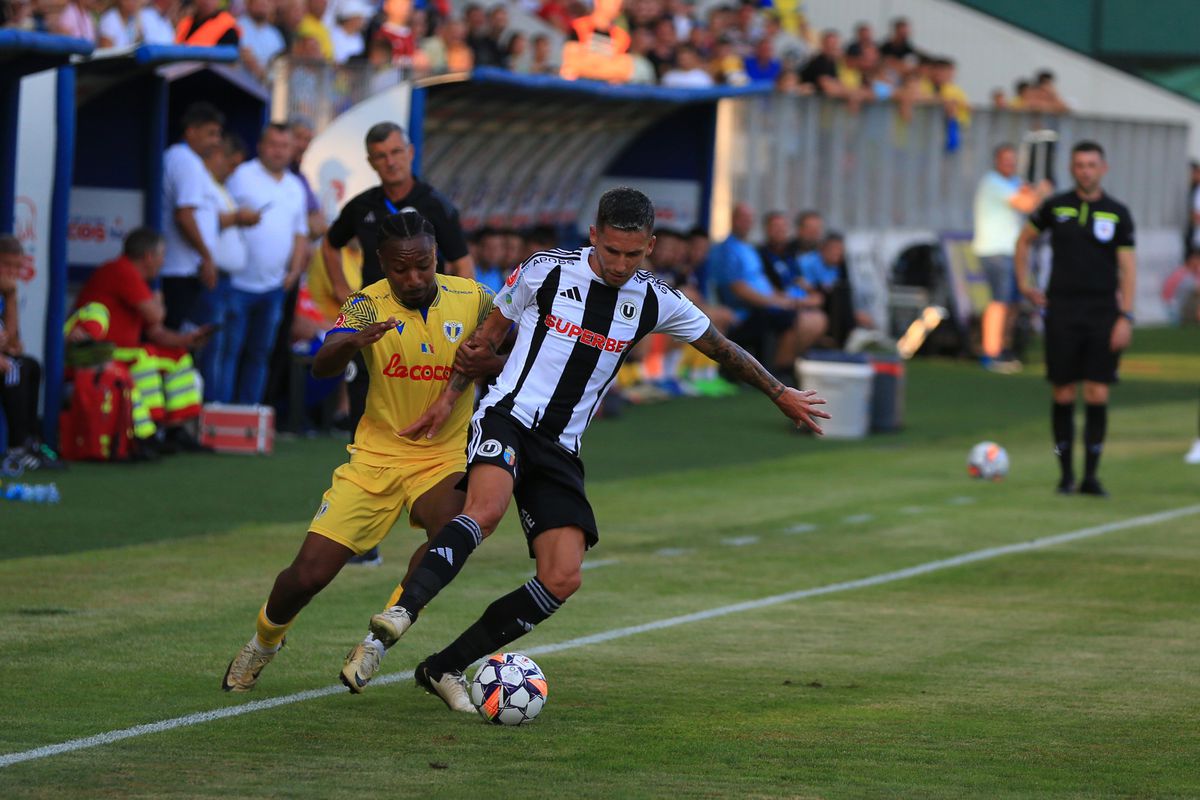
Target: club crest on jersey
426 347
510 456
490 449
628 310
1104 229
453 330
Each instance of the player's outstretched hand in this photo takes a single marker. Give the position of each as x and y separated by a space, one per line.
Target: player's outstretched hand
800 408
374 332
429 423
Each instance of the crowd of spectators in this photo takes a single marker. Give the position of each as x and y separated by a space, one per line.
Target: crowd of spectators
668 42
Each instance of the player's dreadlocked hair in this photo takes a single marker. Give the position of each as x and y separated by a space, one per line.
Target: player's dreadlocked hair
625 209
408 224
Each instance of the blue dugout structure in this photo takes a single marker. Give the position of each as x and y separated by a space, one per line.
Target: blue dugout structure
129 105
23 53
518 150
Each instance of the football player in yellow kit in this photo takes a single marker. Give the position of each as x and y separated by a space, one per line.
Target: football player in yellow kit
408 327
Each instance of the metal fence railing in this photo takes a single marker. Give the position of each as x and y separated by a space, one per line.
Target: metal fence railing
873 169
322 91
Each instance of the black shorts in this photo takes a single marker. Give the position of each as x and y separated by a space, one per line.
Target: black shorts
1078 348
547 480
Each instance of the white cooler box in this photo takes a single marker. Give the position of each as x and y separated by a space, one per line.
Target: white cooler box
846 388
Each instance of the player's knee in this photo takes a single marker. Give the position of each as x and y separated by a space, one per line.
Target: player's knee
486 515
1095 393
562 583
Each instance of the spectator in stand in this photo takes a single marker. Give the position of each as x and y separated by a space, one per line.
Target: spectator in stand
763 67
821 71
167 385
272 269
556 14
747 27
288 16
898 45
1002 202
761 310
313 26
17 15
543 57
485 46
950 94
490 269
261 40
863 36
20 375
447 51
397 31
810 230
207 25
640 46
1047 90
662 51
156 23
76 20
190 231
1024 97
689 71
120 26
347 35
726 66
516 53
874 77
1191 231
787 46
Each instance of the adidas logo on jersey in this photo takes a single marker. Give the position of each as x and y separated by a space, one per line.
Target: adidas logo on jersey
446 553
370 217
572 294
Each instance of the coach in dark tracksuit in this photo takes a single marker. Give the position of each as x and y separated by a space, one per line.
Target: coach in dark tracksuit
1088 302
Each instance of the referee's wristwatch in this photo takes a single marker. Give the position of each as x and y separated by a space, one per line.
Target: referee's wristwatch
1127 315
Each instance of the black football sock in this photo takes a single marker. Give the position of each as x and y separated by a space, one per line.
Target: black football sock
1095 427
1063 419
441 563
504 621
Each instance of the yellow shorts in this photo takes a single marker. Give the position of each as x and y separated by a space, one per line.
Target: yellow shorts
364 502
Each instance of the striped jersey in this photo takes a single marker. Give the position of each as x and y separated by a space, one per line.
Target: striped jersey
574 332
410 366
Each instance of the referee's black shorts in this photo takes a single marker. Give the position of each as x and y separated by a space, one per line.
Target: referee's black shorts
1078 342
547 480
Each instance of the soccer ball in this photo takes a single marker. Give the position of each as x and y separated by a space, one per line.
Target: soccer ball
509 689
988 460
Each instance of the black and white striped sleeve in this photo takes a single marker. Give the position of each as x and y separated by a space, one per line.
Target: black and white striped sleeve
678 316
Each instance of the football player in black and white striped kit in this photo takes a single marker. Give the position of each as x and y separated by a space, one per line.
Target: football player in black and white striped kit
578 314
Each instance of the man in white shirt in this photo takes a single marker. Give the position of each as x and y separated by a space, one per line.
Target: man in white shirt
120 25
1001 203
261 40
155 21
190 225
276 254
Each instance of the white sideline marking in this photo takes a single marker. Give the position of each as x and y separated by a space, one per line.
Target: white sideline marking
109 737
671 552
599 562
961 500
912 510
858 519
739 541
802 527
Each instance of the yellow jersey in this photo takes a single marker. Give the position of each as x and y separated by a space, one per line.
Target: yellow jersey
410 366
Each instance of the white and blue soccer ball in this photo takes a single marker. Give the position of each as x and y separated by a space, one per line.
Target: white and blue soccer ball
508 689
987 461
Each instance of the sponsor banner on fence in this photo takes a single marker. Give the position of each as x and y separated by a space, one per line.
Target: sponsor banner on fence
98 221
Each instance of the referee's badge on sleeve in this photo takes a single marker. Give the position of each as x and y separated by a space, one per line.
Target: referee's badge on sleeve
1104 229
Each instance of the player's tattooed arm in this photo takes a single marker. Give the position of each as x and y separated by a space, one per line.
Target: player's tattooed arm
796 404
738 362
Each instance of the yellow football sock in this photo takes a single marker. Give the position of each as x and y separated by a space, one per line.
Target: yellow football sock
395 598
270 634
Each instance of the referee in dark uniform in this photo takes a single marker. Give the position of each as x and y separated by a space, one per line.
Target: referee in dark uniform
390 154
1088 302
